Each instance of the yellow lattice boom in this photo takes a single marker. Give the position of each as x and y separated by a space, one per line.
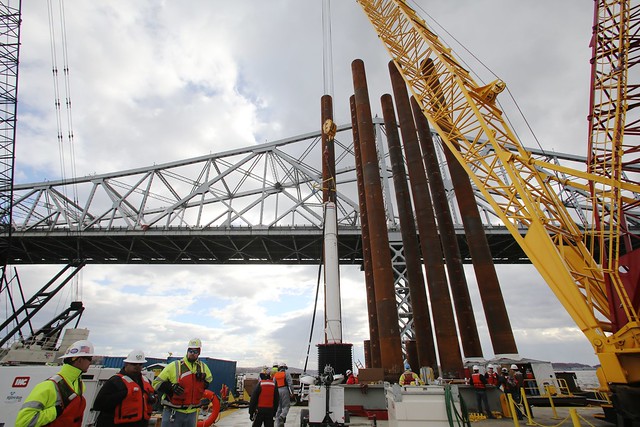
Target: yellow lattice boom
469 122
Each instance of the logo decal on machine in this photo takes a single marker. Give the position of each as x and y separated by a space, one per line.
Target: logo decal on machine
21 382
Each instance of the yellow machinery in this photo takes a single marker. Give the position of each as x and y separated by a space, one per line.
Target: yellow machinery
593 272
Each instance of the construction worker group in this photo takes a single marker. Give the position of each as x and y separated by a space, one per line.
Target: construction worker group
129 398
271 399
126 399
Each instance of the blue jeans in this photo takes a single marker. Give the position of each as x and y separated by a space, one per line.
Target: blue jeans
180 419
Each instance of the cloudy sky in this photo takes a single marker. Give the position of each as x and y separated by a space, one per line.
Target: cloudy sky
152 82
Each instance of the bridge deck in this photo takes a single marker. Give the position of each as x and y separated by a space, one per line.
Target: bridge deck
237 245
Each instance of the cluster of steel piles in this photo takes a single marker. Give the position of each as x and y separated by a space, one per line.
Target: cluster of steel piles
433 244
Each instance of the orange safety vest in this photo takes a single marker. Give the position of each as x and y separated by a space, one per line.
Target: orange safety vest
280 378
73 404
193 389
477 382
267 391
135 406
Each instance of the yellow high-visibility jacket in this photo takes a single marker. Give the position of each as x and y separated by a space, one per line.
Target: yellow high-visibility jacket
39 408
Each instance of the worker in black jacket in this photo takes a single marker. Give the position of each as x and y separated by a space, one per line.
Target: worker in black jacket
127 398
264 402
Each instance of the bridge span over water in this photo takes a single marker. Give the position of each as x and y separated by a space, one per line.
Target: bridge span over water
260 204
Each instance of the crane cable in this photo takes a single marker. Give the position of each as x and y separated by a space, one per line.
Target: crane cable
315 304
69 121
470 69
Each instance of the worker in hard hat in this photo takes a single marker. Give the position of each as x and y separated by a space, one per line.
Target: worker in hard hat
479 383
285 389
181 385
515 383
351 378
492 376
503 379
127 398
264 401
409 377
59 401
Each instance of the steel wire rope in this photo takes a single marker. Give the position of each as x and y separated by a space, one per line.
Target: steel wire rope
69 121
67 88
56 88
471 70
315 305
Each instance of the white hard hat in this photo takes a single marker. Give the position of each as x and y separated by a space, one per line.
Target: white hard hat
514 366
195 343
79 349
489 366
476 368
136 356
348 371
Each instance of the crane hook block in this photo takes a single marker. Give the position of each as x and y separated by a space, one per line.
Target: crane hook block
489 93
329 128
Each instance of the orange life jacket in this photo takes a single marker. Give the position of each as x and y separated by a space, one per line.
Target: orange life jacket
135 406
73 404
193 388
280 378
267 391
477 381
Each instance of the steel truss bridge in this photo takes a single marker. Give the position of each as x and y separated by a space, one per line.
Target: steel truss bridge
260 204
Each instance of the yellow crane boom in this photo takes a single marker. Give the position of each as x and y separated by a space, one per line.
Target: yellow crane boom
469 122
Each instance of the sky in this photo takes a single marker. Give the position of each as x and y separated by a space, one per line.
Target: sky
157 81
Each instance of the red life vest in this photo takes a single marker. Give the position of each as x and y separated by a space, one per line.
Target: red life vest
352 379
492 378
279 377
135 406
408 378
267 391
73 404
477 382
193 389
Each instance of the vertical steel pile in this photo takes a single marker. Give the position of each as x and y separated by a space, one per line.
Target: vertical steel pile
495 310
457 280
372 350
424 344
492 300
388 330
443 316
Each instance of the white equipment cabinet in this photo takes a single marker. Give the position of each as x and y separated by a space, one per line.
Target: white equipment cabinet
16 382
318 403
419 406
